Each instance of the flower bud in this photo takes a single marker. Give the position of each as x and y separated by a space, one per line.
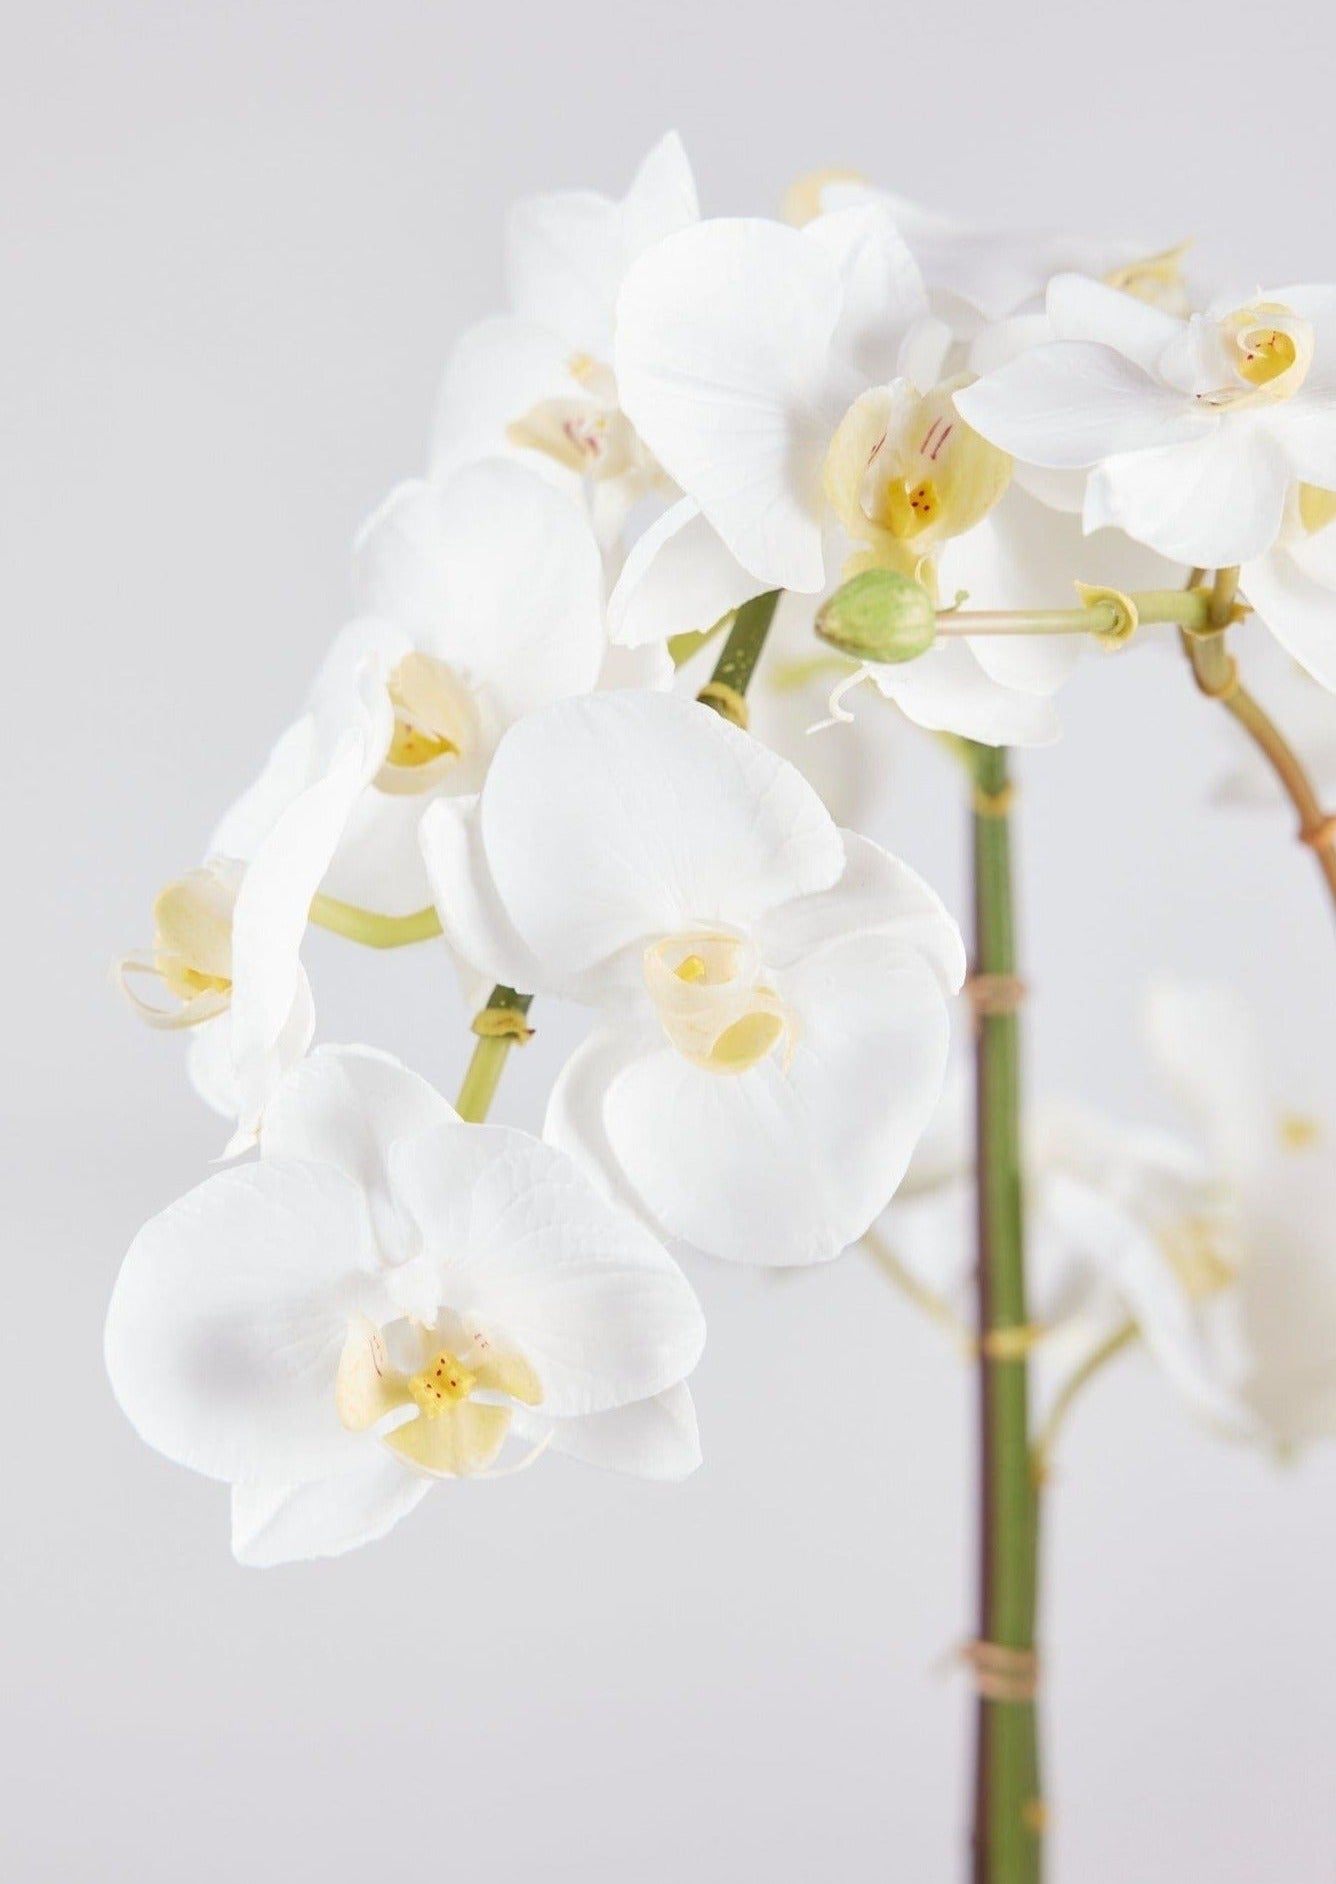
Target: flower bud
880 616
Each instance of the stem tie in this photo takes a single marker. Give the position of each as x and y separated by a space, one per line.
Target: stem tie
993 995
1320 833
1000 1673
503 1023
726 701
1011 1344
994 804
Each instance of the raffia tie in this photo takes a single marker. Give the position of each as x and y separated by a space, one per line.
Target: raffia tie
1000 1673
994 804
991 995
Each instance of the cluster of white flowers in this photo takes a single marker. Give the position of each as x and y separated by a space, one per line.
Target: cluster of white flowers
680 425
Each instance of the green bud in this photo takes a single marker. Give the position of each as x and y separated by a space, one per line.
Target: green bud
879 615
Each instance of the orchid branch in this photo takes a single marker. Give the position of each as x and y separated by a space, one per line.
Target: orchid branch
1216 673
1045 1444
934 1306
374 931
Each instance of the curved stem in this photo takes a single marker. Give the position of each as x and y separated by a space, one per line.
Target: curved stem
737 663
370 929
1041 1453
934 1306
1216 672
1008 1813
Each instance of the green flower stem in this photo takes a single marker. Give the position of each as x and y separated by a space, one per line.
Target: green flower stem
1008 1815
1217 676
500 1026
1189 607
733 670
373 931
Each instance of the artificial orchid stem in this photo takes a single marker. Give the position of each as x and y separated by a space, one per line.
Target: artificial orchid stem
372 930
726 689
1216 673
1103 619
1008 1809
499 1026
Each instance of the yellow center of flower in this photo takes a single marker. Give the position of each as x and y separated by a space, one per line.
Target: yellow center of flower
1266 351
192 947
586 431
904 473
1196 1250
435 725
712 1004
1299 1131
1317 508
1155 279
453 1432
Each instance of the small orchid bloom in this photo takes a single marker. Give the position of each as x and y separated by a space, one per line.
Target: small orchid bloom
977 273
539 380
772 990
1293 586
483 601
383 1301
1217 1246
1195 429
227 936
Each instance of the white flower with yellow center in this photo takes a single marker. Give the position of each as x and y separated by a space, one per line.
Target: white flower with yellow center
1195 430
382 1302
1218 1247
483 600
1293 587
772 990
225 965
975 273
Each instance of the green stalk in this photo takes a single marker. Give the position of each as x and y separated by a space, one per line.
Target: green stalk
499 1027
372 930
1008 1814
727 685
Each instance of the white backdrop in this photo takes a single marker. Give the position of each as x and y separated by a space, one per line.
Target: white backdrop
237 241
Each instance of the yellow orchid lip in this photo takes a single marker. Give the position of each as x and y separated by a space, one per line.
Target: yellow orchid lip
436 724
1267 351
459 1401
192 948
712 1004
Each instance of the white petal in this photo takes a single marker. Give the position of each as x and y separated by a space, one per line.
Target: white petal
566 253
288 770
230 1313
496 574
876 893
1082 309
473 920
499 371
947 690
656 1438
1073 404
521 1239
1289 1297
696 823
347 1107
790 1167
1214 502
1299 610
723 341
678 576
882 293
273 1524
1203 1040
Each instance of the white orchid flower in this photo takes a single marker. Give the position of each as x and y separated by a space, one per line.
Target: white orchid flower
483 600
227 936
1219 1247
1195 429
772 990
1293 586
977 273
539 383
385 1299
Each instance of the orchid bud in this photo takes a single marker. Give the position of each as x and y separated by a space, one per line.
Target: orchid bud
881 616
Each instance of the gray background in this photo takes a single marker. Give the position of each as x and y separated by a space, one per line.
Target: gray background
237 242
